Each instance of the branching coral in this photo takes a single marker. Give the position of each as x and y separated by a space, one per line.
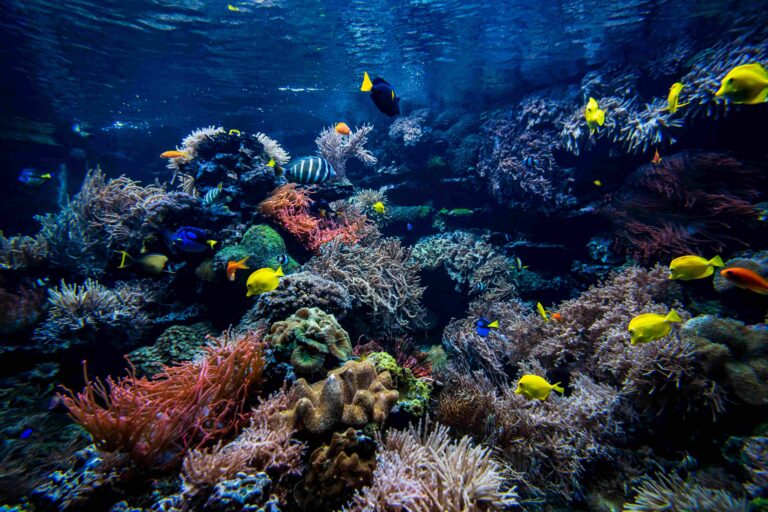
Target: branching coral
354 395
190 405
337 149
379 278
422 471
410 129
273 149
21 252
684 205
289 207
671 493
83 313
311 339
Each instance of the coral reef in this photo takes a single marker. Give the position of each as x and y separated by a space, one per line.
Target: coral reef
413 393
176 344
671 492
379 278
263 247
21 305
410 129
424 470
311 339
153 421
21 252
354 395
337 149
243 492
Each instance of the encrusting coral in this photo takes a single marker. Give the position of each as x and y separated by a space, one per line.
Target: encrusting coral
353 395
337 149
312 340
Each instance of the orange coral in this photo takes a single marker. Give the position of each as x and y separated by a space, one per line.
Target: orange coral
289 206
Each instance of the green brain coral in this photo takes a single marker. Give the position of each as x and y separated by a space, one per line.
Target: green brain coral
263 246
312 339
414 393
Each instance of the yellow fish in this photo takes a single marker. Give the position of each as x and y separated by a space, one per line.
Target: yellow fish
151 263
234 132
174 154
652 326
747 83
594 116
690 267
263 280
379 207
598 183
534 387
542 311
233 8
674 97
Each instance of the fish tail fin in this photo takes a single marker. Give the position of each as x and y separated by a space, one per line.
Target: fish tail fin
557 387
211 243
601 117
717 261
279 272
220 186
242 263
672 316
46 176
367 84
124 261
271 163
494 324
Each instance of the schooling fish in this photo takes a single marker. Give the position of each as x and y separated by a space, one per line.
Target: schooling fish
263 280
174 154
343 129
34 177
747 83
309 169
747 279
594 116
534 387
152 263
674 97
483 326
379 207
190 239
656 160
382 94
652 326
686 268
234 266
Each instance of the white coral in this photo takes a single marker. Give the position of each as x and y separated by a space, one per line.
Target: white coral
273 149
337 149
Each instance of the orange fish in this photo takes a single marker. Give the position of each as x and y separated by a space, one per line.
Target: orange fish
234 266
342 129
557 317
744 278
656 158
173 154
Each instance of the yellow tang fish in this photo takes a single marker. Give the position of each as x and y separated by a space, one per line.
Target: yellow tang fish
747 83
542 311
652 326
263 280
598 183
594 116
379 207
233 8
534 387
674 97
690 267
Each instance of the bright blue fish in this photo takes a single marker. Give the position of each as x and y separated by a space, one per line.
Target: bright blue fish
484 326
190 239
409 226
26 434
34 177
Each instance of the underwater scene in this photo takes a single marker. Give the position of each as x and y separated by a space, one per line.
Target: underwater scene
384 256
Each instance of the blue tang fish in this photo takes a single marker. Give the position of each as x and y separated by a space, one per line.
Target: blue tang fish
34 177
409 226
190 239
25 435
483 326
382 94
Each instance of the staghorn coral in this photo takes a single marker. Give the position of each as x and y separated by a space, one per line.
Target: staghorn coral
89 312
422 471
337 149
189 405
380 279
337 469
311 339
410 129
296 291
353 395
684 205
264 445
669 492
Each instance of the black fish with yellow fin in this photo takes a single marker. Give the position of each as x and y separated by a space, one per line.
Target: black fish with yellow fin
382 94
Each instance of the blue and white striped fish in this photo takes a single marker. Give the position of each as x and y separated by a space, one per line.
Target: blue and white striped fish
212 196
309 169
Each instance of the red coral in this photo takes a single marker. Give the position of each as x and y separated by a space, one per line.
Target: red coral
289 206
186 406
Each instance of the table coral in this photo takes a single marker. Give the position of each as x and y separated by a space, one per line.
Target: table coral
312 339
354 395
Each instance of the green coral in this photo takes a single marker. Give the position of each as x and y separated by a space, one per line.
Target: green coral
177 343
413 393
312 339
263 246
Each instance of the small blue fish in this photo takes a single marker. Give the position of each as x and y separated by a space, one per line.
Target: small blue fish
409 226
530 162
483 326
283 259
25 435
190 239
34 177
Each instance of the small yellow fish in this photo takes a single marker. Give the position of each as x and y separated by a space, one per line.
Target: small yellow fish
674 97
534 387
211 243
652 326
747 83
690 267
598 183
263 280
152 263
233 8
174 154
234 132
594 116
542 311
379 207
